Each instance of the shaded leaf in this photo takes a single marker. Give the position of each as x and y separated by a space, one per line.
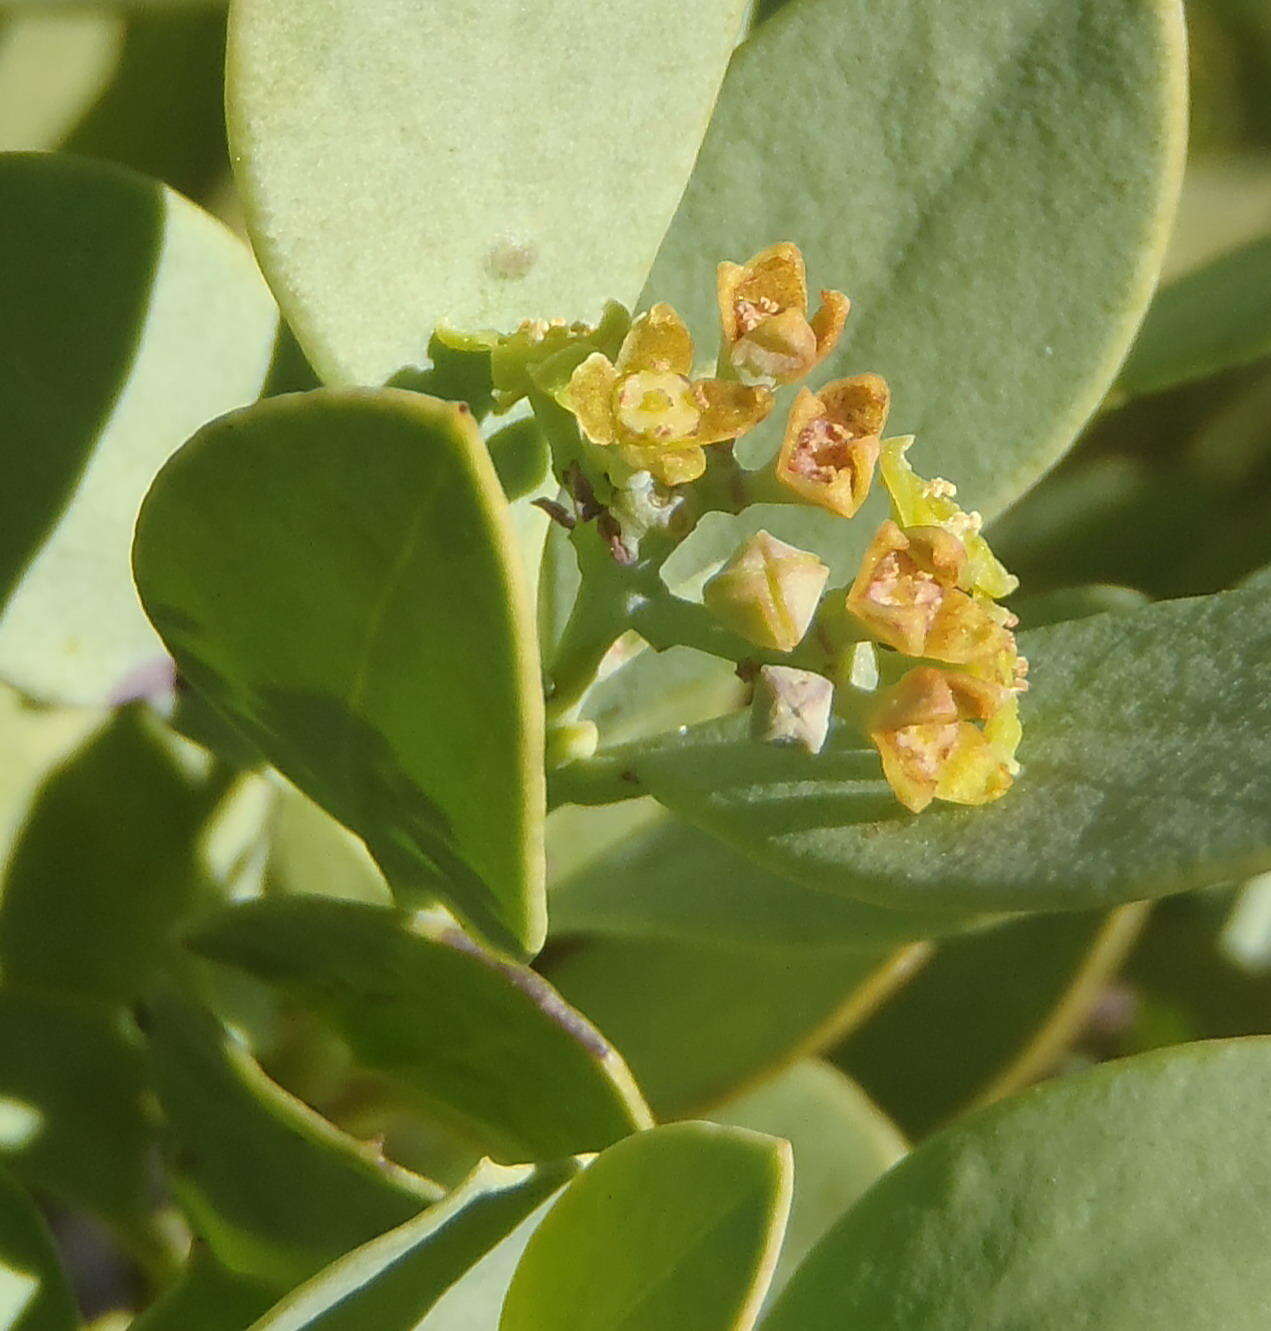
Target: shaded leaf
485 1044
116 290
34 1294
369 635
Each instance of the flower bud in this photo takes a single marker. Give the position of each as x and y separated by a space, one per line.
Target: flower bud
768 592
791 707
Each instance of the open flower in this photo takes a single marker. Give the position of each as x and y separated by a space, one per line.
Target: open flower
916 502
832 442
768 592
925 731
763 307
647 405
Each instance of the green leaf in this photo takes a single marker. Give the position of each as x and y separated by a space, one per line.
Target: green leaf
1214 319
698 1022
1146 753
117 289
485 1044
678 1227
989 1013
311 854
206 1298
944 165
475 177
841 1143
72 1119
34 1294
275 1191
1069 603
396 1282
53 67
666 880
114 855
1128 1197
335 571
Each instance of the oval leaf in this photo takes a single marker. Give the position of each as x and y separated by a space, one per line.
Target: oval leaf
678 1227
478 164
1128 1197
131 317
334 570
991 181
394 1282
34 1294
483 1043
1147 771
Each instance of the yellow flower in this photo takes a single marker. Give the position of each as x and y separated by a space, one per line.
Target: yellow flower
832 442
925 731
647 405
763 307
768 592
918 503
903 581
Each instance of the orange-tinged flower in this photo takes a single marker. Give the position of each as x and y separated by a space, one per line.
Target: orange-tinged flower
903 582
647 405
925 731
768 592
763 308
832 442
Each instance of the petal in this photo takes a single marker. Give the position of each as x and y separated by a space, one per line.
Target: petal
728 279
658 340
780 350
776 274
827 323
820 460
974 773
728 409
671 466
859 404
589 395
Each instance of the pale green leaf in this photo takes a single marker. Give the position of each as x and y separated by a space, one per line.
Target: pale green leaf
404 164
485 1044
206 1297
841 1142
336 572
131 317
1146 752
1133 1196
676 1227
400 1282
990 181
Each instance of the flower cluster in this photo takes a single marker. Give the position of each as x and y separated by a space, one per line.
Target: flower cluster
926 597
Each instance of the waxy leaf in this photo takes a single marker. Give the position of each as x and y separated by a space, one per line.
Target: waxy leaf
275 1191
131 317
481 1042
841 1143
699 1022
34 1294
404 164
1146 770
677 1227
943 164
335 572
988 1013
393 1283
1129 1197
1216 318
